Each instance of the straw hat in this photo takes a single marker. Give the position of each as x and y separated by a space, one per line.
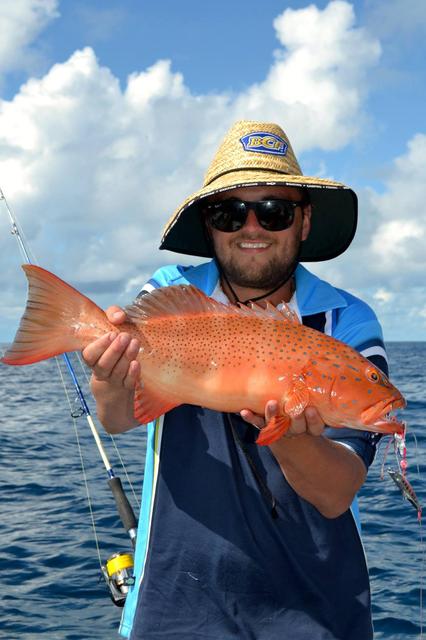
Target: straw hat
259 153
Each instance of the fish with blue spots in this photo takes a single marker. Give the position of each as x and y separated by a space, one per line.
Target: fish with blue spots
195 350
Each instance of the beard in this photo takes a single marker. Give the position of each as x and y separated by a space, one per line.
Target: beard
263 277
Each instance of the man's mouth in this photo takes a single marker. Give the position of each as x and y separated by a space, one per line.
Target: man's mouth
253 245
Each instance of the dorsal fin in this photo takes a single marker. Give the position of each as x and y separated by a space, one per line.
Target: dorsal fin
174 300
286 311
188 300
282 313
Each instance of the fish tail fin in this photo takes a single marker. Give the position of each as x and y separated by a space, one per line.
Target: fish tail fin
54 314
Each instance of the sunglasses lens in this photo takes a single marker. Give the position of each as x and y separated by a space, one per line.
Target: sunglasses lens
228 216
231 215
275 215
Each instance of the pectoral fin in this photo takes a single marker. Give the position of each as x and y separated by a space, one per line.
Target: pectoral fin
273 430
296 402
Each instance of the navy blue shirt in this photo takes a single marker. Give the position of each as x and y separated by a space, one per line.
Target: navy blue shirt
211 561
220 566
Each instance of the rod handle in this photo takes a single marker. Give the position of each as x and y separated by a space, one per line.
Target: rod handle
124 507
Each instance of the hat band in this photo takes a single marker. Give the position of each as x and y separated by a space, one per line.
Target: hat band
257 169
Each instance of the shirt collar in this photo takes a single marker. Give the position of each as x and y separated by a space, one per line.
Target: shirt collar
313 294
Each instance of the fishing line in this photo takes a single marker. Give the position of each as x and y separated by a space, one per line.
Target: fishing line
422 575
416 448
125 470
124 508
119 567
83 468
422 543
18 233
408 493
114 444
385 455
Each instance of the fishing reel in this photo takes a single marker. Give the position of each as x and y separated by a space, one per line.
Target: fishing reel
118 574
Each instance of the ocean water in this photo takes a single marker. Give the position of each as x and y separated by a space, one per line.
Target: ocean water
51 584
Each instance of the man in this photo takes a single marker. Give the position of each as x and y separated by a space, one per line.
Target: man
237 540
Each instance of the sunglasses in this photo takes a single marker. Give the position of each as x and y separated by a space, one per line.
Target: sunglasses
273 214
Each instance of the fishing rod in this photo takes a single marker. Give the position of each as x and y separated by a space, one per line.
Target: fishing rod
118 569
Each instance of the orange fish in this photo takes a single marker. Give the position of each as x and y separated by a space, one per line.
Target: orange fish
195 350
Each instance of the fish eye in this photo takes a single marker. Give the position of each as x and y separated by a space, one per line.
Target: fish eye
372 375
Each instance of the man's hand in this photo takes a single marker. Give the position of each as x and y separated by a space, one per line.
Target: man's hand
309 421
115 372
112 357
323 472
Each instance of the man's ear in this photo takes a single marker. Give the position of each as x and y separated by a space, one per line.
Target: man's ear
306 220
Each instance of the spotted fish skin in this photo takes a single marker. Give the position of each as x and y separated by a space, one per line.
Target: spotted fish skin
195 350
226 358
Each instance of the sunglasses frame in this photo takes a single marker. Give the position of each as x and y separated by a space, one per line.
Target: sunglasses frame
255 205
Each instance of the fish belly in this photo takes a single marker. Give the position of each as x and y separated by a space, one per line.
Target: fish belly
215 388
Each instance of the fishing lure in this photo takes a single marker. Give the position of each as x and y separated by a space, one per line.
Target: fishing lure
407 490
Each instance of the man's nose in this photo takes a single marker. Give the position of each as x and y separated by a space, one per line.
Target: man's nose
251 222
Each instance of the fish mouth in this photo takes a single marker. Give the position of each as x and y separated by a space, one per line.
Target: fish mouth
380 416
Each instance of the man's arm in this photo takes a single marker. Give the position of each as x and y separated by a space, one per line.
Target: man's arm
323 472
115 372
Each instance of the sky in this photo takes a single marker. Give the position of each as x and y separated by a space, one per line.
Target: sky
110 112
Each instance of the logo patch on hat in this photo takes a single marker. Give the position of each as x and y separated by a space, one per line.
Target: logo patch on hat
264 142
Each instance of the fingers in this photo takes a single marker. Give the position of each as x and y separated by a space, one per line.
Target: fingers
114 363
95 349
271 410
314 423
116 315
309 422
113 357
133 375
257 420
297 426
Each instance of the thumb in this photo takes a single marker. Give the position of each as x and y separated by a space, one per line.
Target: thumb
116 315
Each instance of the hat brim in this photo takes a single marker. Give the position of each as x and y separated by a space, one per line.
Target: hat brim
333 222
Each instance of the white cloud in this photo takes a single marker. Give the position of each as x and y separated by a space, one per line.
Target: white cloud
21 21
316 84
383 296
393 242
391 233
95 171
398 243
387 260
